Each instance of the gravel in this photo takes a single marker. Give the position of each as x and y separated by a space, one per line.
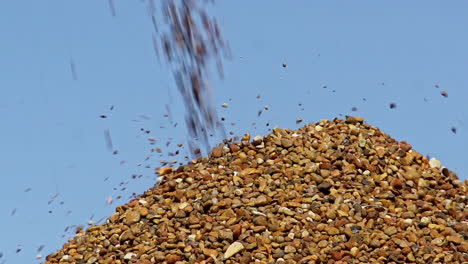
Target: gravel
337 191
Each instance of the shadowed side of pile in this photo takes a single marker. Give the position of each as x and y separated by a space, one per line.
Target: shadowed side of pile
337 191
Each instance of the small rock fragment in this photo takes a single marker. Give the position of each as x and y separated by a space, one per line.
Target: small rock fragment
324 187
289 249
434 163
132 217
164 171
233 249
129 255
217 152
286 142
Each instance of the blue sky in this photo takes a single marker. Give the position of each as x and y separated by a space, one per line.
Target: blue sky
55 167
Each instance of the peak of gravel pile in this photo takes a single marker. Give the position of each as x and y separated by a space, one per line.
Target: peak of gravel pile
337 191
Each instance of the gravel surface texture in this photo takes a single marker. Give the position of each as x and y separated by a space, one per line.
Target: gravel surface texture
336 191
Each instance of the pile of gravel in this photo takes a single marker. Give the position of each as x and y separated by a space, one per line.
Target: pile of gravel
337 191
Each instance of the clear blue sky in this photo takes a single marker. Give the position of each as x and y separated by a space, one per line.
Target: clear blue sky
368 54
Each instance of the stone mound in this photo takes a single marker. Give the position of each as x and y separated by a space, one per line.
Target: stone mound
337 191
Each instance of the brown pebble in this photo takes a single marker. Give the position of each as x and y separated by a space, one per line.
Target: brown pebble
332 230
397 184
411 173
245 258
234 148
337 255
455 239
325 166
143 211
171 258
286 142
132 217
164 171
260 220
463 248
354 119
217 152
